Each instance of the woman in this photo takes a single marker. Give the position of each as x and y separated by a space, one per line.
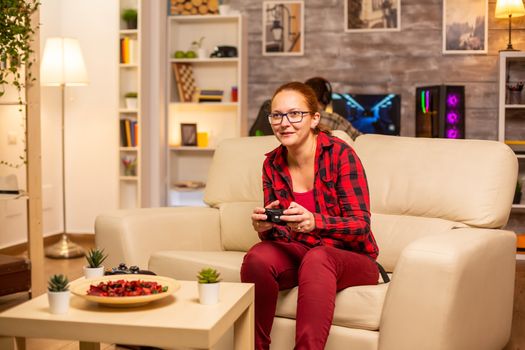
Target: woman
326 244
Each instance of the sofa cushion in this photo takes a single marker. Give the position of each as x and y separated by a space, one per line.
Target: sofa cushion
469 181
184 265
394 232
237 232
356 307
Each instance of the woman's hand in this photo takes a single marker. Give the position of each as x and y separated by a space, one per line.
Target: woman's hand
259 217
299 219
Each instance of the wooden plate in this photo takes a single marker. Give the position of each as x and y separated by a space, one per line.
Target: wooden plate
81 287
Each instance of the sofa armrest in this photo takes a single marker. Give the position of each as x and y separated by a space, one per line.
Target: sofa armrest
131 236
451 291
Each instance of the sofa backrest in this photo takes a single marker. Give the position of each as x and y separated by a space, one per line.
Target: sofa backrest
418 187
467 181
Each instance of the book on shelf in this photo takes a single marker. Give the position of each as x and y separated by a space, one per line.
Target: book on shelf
129 133
128 50
206 95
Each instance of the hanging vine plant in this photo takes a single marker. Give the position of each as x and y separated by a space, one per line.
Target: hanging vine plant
16 55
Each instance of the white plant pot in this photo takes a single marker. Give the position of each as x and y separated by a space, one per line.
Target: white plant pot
202 53
93 272
209 293
224 9
58 302
131 103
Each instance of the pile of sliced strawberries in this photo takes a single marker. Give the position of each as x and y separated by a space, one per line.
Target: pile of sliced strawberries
122 288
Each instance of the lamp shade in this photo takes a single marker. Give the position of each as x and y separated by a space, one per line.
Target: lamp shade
505 8
62 63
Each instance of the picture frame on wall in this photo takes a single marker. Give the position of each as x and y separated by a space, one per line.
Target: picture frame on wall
188 134
465 27
372 15
283 28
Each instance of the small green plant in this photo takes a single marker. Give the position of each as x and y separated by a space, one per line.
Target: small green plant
131 95
197 44
95 257
208 275
130 15
58 283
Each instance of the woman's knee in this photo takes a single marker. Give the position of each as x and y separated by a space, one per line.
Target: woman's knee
255 261
317 257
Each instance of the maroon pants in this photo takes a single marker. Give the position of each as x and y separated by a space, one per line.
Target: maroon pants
319 272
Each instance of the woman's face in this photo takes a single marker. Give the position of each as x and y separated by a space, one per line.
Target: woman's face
293 134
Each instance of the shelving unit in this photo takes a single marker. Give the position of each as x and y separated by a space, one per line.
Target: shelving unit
219 120
511 125
129 135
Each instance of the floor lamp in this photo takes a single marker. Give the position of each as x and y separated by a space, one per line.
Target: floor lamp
509 9
63 65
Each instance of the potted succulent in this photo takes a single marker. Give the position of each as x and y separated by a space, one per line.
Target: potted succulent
208 279
131 100
130 17
58 294
94 257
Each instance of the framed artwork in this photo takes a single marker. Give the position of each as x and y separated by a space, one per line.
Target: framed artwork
372 15
188 134
283 28
465 26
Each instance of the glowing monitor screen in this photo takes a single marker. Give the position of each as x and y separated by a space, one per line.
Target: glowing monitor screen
370 114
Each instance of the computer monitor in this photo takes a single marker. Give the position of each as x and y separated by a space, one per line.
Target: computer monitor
370 114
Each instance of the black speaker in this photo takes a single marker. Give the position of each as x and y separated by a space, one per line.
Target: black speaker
440 111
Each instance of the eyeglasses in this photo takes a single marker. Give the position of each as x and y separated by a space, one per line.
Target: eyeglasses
293 117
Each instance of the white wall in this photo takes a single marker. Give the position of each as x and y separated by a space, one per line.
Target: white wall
91 122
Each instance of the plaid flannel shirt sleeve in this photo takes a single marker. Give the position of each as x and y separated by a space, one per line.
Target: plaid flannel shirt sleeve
352 190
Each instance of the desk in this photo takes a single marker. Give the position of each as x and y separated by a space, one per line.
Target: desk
175 321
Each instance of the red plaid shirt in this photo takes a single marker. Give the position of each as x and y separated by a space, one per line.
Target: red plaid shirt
342 217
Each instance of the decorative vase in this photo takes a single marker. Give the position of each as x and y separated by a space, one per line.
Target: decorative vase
58 302
93 272
202 53
224 9
131 103
514 97
209 293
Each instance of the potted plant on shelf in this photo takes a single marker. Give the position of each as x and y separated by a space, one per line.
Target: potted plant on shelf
130 17
197 46
131 100
95 257
58 294
208 279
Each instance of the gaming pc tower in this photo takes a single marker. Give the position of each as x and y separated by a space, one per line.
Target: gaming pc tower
440 111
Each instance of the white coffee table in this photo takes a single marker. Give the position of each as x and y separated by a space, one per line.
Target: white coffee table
176 321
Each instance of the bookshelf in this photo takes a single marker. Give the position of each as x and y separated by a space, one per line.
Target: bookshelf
130 109
214 121
511 124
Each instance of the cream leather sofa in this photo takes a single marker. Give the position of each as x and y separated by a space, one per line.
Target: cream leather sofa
437 209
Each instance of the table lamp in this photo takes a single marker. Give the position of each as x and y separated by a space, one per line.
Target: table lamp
509 8
63 65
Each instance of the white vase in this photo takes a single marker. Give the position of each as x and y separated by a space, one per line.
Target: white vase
58 302
224 9
202 53
131 103
93 272
209 293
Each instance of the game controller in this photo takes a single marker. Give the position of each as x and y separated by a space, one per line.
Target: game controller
122 269
274 215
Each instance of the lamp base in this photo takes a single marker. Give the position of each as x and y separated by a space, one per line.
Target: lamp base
64 249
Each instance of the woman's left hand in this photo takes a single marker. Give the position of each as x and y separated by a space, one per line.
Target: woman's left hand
299 218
